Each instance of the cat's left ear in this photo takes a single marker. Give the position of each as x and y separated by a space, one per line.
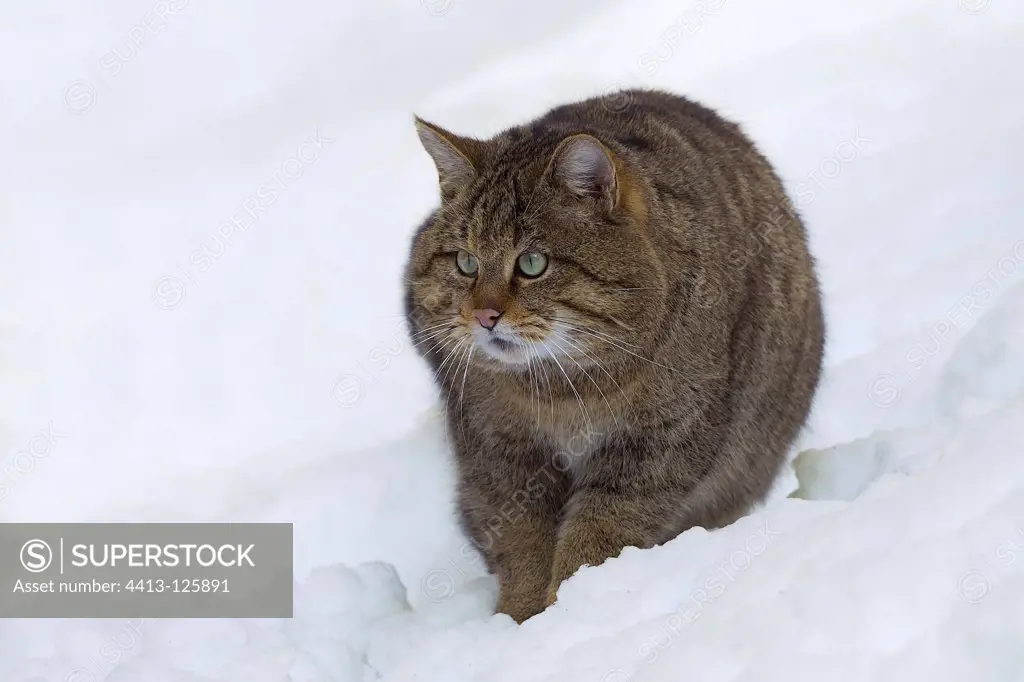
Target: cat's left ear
584 166
455 157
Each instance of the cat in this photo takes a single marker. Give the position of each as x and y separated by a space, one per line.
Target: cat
622 315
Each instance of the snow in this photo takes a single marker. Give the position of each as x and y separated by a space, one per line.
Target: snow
270 380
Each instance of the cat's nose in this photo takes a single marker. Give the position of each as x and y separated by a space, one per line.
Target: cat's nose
487 317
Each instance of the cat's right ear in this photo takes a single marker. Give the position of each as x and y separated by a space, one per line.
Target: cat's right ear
584 166
455 157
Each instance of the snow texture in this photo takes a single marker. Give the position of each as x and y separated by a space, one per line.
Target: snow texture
168 356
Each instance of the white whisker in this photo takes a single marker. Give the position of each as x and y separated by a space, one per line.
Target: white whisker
579 399
611 411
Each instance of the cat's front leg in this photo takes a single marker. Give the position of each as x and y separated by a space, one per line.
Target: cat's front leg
596 527
511 512
524 568
636 497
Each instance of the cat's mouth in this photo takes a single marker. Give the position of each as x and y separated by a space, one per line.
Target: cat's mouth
502 347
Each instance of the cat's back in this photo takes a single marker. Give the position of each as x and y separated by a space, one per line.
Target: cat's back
643 120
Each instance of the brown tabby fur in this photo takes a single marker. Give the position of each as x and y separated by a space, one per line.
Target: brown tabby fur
694 348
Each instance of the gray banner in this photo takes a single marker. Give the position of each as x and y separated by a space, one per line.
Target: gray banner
146 570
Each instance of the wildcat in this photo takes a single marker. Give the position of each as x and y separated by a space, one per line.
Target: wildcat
625 324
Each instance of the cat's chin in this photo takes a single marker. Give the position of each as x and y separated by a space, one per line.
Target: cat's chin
507 354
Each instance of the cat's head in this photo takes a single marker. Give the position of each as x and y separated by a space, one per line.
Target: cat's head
539 252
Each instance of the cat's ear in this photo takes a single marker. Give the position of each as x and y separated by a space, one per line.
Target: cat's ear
455 157
586 168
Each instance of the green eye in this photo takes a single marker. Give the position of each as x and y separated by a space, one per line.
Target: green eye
466 262
532 264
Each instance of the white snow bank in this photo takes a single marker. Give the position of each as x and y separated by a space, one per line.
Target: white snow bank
919 578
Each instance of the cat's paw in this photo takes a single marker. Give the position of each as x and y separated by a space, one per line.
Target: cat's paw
518 608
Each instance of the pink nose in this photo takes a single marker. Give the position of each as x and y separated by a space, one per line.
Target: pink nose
487 317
